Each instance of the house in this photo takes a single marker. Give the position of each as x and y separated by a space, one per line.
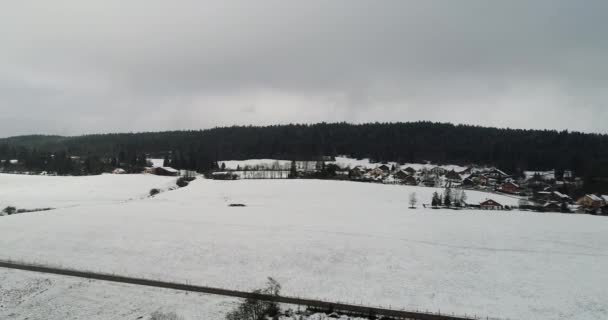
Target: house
356 172
468 182
410 171
385 168
483 180
490 204
453 176
552 206
401 174
119 171
166 171
377 172
590 201
410 180
438 171
509 187
496 174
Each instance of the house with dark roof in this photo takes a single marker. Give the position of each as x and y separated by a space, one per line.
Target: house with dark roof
490 204
509 187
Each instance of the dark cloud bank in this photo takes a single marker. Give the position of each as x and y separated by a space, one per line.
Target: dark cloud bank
71 67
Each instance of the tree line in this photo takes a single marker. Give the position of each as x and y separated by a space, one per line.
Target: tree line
512 150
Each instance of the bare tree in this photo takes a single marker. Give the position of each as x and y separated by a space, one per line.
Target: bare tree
413 200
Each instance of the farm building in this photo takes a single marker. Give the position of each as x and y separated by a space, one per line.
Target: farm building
490 204
590 201
166 171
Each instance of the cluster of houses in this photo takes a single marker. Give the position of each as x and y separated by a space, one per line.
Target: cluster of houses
540 188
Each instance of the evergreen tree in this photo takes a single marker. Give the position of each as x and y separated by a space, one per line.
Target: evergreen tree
293 171
447 197
436 200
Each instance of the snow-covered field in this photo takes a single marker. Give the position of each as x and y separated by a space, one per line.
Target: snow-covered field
31 192
346 241
34 296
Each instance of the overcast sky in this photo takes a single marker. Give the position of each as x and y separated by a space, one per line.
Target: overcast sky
71 66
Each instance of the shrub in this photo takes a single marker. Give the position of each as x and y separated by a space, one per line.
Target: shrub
154 192
182 182
252 309
10 210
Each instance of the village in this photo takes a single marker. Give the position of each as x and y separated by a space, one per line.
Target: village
544 191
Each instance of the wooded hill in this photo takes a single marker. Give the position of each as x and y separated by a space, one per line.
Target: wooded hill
512 150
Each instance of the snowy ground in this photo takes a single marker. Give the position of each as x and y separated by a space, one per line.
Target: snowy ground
31 192
334 240
34 296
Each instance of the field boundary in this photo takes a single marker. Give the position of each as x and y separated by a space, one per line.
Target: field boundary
313 304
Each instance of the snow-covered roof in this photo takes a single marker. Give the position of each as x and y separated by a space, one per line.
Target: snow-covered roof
157 162
605 197
169 169
499 171
594 197
561 195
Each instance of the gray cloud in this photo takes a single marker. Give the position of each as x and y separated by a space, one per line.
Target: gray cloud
72 67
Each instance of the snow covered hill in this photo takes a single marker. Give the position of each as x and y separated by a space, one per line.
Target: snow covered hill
31 192
335 240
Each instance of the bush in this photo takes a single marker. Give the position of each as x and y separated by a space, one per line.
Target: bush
184 181
154 192
10 210
252 309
